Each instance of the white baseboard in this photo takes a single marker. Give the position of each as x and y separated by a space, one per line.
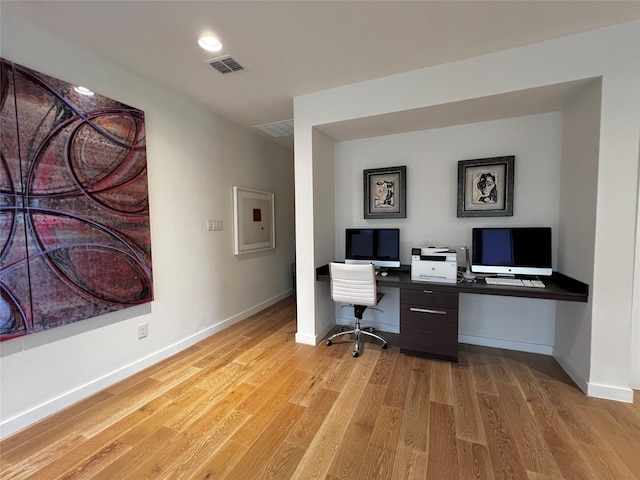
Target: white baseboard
610 392
307 339
218 327
29 417
579 380
506 344
35 414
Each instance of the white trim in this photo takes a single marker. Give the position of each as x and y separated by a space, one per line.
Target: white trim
506 344
218 327
306 339
566 366
242 226
610 392
29 417
24 419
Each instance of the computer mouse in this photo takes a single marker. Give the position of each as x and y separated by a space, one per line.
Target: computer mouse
384 274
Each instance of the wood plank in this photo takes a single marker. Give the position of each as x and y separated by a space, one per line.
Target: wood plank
380 455
539 476
397 389
42 434
313 417
108 445
283 462
318 457
625 446
265 449
581 431
414 432
483 381
505 458
605 463
381 374
410 464
285 382
566 453
137 454
350 452
31 466
468 419
203 447
475 461
215 405
443 445
322 377
287 410
221 463
260 420
202 435
501 371
535 453
441 383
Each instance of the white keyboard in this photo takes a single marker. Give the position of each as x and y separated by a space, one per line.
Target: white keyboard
513 282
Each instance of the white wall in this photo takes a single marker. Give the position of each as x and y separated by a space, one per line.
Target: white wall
612 53
635 317
431 158
324 230
578 195
194 159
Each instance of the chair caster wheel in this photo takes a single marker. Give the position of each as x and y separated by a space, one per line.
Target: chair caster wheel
355 354
384 346
329 343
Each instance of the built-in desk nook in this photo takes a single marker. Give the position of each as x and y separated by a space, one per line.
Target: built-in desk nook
429 310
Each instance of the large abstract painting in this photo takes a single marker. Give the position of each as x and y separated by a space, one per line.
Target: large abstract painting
74 211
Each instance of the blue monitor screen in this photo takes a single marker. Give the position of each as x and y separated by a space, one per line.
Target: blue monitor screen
495 247
380 246
525 250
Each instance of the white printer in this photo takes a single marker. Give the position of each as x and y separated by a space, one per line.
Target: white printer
433 264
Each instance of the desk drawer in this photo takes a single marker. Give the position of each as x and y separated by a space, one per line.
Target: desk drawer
429 331
428 298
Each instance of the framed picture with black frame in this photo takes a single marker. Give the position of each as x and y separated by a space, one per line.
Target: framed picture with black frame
385 192
485 187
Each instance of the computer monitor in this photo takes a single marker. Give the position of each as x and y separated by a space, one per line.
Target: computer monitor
512 251
380 246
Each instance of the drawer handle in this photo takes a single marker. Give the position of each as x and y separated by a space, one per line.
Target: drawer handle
427 310
427 291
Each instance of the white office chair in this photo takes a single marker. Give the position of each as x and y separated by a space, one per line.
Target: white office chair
356 286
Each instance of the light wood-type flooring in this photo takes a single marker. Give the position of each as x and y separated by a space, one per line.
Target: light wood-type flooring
250 403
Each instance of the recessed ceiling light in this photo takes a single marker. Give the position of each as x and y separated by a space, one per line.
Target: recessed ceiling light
83 91
210 43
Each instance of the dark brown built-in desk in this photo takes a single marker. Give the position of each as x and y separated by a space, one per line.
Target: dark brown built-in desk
429 310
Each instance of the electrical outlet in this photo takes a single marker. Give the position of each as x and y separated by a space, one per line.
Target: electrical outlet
143 330
210 225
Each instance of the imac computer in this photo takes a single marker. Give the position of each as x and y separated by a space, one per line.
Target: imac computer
380 246
512 251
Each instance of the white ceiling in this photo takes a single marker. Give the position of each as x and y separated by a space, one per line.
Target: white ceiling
291 48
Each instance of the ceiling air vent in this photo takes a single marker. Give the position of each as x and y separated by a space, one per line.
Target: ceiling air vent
277 129
226 65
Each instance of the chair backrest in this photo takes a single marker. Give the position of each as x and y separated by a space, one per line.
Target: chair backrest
354 284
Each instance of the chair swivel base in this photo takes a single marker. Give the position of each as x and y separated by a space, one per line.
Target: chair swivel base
356 332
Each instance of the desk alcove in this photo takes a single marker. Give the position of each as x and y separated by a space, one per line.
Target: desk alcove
429 310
